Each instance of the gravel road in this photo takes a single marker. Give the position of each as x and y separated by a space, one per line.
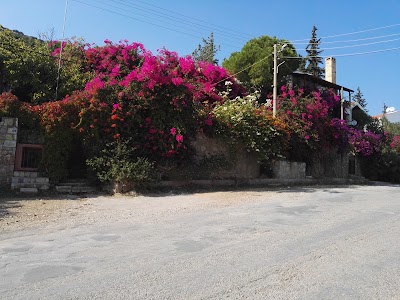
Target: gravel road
289 243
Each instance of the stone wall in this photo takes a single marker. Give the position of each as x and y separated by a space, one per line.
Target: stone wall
239 165
30 136
8 144
289 170
329 164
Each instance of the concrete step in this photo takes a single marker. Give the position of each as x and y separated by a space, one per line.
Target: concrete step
73 183
74 189
22 180
40 186
26 174
29 190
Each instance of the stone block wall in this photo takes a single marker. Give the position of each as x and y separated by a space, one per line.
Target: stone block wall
8 144
289 170
242 164
329 164
29 180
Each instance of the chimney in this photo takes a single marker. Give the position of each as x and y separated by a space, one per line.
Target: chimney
330 69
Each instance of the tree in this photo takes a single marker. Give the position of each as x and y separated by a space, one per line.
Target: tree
28 67
207 51
253 64
359 97
313 59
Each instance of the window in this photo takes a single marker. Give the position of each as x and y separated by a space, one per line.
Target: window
28 157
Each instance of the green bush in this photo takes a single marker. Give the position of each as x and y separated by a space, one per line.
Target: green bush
117 163
244 121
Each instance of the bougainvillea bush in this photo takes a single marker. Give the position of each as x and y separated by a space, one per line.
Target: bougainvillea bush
154 105
312 127
154 100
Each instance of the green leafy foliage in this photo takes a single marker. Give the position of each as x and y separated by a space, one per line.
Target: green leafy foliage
243 121
359 98
117 162
29 67
255 60
313 56
207 51
389 127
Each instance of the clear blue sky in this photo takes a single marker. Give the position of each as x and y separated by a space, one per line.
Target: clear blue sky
233 23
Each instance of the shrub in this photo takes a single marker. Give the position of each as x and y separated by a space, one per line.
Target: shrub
243 121
11 107
117 163
311 122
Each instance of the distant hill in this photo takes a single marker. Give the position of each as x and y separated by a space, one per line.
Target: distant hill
28 39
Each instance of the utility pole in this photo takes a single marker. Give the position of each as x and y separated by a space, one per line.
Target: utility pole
275 82
341 104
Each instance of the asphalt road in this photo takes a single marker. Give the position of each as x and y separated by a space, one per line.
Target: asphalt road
291 243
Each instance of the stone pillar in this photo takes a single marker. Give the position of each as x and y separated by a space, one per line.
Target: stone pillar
8 144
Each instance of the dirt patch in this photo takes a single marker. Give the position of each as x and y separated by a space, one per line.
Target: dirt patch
24 212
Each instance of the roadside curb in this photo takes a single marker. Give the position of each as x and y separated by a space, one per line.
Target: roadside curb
259 182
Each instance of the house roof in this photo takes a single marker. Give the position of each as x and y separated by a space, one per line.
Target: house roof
355 104
320 81
393 117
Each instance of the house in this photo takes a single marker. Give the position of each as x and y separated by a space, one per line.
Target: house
311 83
392 115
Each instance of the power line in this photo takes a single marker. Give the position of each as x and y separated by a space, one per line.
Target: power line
199 20
151 23
348 41
353 33
290 57
61 48
348 54
358 45
173 18
233 75
186 33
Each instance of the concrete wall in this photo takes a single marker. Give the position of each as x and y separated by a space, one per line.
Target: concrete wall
30 136
289 170
240 164
8 144
329 164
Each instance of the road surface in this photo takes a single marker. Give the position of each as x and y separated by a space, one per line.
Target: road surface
289 243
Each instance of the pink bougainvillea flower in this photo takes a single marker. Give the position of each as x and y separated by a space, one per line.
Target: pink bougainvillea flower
208 122
115 106
177 81
152 131
307 137
172 131
179 138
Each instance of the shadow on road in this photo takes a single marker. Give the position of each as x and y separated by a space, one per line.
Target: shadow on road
191 189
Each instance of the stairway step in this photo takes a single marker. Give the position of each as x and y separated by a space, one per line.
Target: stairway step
71 189
29 190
